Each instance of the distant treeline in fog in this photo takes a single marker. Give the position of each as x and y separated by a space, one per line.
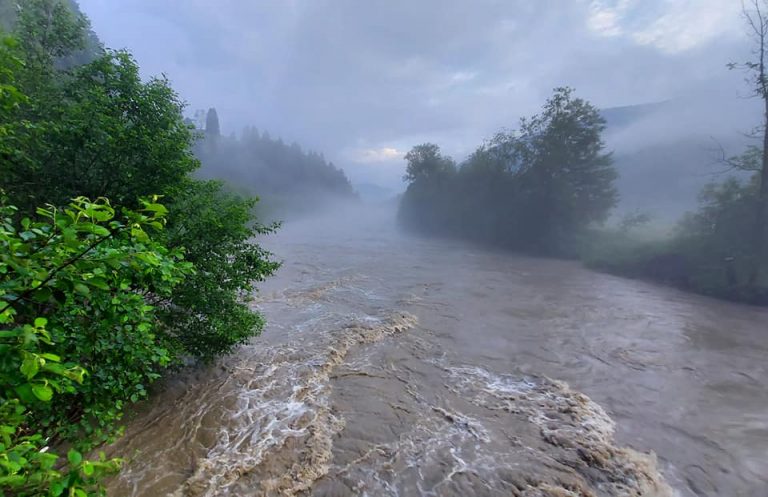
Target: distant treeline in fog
535 190
549 187
288 179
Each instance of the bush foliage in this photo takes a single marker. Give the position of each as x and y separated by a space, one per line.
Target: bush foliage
115 264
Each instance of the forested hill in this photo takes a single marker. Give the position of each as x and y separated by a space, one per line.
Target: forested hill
662 173
289 180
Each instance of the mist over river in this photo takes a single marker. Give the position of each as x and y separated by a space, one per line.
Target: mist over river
395 365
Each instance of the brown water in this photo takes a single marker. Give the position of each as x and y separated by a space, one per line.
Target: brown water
403 366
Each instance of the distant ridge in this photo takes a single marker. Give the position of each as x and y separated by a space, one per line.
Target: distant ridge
617 117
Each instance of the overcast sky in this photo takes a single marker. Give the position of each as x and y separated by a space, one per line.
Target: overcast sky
363 81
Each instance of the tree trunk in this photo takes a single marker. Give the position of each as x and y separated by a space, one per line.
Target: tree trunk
760 26
761 231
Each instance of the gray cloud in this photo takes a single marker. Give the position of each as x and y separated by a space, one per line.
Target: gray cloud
364 81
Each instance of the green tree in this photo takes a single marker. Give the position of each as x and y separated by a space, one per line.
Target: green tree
49 30
96 299
209 314
425 162
288 180
563 167
212 123
757 158
100 131
427 202
537 189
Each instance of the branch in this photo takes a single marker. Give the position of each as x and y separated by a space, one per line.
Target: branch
731 163
25 295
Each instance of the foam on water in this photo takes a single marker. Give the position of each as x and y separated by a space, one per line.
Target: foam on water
274 423
517 436
341 408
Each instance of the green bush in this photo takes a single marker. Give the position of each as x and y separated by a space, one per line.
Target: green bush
711 251
208 314
79 337
98 298
99 131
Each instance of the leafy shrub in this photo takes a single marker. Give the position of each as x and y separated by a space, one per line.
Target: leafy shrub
78 334
208 314
97 300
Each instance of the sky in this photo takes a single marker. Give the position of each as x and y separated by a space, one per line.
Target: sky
363 81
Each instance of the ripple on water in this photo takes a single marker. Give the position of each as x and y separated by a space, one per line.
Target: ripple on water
343 410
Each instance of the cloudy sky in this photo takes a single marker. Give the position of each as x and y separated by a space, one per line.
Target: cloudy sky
363 81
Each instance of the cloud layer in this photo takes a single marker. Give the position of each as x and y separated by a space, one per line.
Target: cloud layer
364 81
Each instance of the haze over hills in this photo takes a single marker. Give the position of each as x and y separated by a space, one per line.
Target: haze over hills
665 152
661 166
287 179
440 321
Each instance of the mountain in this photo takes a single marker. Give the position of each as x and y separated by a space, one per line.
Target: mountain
617 117
666 152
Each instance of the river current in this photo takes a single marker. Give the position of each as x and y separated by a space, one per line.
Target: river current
394 365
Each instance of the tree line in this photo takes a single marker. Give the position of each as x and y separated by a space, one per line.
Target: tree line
116 263
536 189
289 180
548 188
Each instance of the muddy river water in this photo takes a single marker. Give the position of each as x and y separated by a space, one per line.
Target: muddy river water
395 365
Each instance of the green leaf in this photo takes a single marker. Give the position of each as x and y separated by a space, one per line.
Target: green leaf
30 366
99 230
42 294
99 283
40 322
82 289
25 393
74 457
159 208
57 488
47 460
42 392
11 333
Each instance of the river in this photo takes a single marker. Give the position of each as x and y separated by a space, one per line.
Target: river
394 365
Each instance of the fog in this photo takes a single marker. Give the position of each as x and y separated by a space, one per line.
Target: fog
387 247
364 82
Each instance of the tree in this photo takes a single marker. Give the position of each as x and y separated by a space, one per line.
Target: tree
289 180
208 314
79 335
562 156
49 30
757 22
425 162
212 123
96 297
100 131
537 189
